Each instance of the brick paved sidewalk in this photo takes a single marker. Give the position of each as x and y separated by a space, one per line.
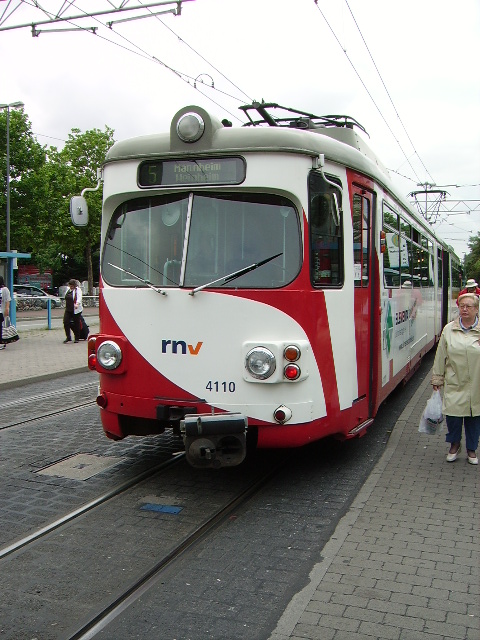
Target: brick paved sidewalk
40 354
403 563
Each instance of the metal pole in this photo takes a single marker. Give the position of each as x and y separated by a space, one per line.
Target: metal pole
8 177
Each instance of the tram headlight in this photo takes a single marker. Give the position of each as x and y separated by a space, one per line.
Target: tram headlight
190 127
109 355
260 363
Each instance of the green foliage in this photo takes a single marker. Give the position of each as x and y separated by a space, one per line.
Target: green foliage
27 157
472 260
42 181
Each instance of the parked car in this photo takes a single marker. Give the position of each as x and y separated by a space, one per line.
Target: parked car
35 296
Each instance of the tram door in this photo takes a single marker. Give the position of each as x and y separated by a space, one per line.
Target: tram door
362 218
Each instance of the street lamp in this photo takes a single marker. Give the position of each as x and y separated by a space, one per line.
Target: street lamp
12 105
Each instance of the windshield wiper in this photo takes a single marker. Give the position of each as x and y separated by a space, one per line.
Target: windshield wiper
130 255
236 274
149 284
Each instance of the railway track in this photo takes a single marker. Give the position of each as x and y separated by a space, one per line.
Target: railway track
173 553
61 549
103 617
33 407
75 513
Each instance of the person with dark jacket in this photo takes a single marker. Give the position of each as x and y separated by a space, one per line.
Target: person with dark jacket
73 311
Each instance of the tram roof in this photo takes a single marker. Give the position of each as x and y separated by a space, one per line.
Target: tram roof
339 144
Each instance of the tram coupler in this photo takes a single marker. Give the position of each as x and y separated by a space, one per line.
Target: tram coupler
214 440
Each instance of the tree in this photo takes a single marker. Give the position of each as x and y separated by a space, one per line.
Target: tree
77 165
42 181
27 159
472 260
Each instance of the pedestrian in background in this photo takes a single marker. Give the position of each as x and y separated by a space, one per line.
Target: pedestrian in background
73 311
4 307
457 369
470 287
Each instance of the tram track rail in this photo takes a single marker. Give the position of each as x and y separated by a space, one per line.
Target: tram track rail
102 618
47 395
53 548
49 414
68 517
42 399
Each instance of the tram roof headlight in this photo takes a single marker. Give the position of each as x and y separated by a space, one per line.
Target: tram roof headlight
109 355
190 127
260 363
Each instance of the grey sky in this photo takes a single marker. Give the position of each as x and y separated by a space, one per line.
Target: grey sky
278 50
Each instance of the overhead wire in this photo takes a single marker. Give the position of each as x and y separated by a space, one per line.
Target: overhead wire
366 88
200 55
386 90
391 100
144 54
3 17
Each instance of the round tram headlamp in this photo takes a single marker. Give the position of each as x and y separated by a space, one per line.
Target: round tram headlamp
190 127
260 363
291 353
109 355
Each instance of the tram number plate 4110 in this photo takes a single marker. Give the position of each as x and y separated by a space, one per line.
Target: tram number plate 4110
220 387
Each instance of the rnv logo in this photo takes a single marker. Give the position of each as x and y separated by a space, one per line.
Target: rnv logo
176 346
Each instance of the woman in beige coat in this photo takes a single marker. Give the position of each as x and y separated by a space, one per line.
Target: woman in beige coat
457 369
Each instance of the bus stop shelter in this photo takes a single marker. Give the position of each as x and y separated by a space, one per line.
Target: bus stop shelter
10 257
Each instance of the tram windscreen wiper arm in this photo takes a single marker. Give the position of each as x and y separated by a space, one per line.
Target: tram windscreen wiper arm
149 284
236 274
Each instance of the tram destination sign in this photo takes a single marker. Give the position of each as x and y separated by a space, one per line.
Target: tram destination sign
175 173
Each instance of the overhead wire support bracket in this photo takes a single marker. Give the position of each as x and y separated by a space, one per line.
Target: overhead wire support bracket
431 208
36 32
146 15
95 14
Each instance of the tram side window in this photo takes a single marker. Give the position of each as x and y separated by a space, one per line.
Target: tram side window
429 271
456 278
326 239
416 264
439 268
391 255
406 263
361 229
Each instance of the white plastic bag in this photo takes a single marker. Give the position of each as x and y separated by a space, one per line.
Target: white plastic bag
432 417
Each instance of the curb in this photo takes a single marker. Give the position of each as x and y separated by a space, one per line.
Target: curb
47 376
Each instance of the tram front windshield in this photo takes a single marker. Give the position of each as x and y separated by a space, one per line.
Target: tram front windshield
193 240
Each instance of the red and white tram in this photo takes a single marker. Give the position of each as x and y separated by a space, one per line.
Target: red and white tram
264 278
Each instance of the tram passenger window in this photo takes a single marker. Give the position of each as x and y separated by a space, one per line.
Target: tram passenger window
405 228
391 260
361 233
326 240
406 261
417 263
391 255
